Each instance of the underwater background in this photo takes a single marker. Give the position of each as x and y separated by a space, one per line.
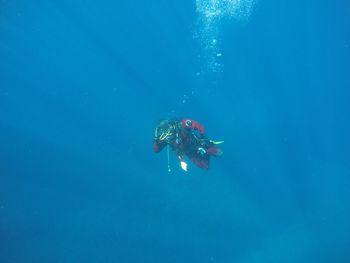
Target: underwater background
83 84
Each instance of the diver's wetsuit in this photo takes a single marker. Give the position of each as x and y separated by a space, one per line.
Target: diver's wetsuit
186 137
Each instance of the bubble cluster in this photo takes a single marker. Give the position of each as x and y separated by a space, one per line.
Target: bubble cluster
210 15
211 9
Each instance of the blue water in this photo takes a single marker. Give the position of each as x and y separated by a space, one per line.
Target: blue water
82 86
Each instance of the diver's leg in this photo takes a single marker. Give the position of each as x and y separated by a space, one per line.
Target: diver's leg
214 151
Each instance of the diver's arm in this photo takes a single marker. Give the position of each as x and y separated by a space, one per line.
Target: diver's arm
158 146
193 125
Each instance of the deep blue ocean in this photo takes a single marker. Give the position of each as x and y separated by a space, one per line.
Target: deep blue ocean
83 84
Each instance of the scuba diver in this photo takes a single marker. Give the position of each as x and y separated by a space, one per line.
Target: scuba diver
187 138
